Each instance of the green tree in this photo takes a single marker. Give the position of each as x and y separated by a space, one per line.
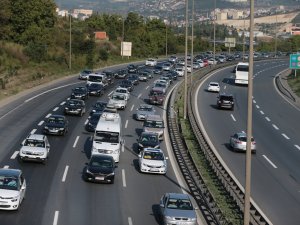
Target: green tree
5 14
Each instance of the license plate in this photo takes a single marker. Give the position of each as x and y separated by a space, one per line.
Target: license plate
99 178
154 170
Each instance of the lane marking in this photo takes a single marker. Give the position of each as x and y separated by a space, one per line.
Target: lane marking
123 178
55 220
254 101
65 174
297 146
126 123
33 131
268 119
232 117
54 110
123 147
48 115
224 87
285 136
68 98
110 93
131 107
275 126
257 106
76 140
63 103
87 120
41 123
269 161
262 112
139 95
129 221
6 167
147 87
14 155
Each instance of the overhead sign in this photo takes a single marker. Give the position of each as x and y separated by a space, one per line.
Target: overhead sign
126 48
295 61
230 42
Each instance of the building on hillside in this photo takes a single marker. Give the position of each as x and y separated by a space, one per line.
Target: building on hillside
235 14
62 13
222 16
87 12
101 35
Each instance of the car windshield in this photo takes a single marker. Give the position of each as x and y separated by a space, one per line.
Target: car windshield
100 105
94 85
95 78
121 91
147 138
74 103
79 89
34 143
226 98
182 204
118 97
154 124
145 108
102 163
244 68
110 137
56 120
244 139
153 155
9 183
159 84
213 84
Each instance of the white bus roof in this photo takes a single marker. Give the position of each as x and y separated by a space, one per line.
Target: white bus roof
243 63
110 122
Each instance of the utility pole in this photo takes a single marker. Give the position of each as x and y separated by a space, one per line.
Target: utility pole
276 37
186 49
122 51
214 31
192 47
166 40
244 41
70 45
249 120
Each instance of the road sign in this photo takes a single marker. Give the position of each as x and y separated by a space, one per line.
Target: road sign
295 61
126 48
230 42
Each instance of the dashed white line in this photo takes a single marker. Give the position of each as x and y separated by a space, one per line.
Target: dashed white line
232 117
147 87
126 123
65 174
123 147
54 110
269 161
76 140
131 107
110 93
55 220
123 178
63 103
268 119
297 146
68 98
129 221
139 95
261 112
257 106
87 120
6 167
14 155
275 126
224 87
254 101
41 123
48 115
33 131
285 136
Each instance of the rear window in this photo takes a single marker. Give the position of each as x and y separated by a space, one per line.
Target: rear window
243 68
226 98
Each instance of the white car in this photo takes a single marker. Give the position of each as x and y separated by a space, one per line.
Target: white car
151 62
120 90
201 63
213 87
189 68
180 72
12 188
152 160
35 147
167 66
118 100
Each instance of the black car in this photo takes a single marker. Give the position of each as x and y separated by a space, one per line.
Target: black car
93 121
95 89
225 101
121 74
75 107
99 106
80 93
132 68
148 140
100 169
56 124
134 78
110 76
126 84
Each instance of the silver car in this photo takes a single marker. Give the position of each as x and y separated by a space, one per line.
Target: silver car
154 123
143 111
238 142
177 208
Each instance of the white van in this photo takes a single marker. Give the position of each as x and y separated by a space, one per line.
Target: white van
241 73
107 139
97 78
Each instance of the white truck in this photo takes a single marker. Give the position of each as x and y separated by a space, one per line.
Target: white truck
108 137
241 73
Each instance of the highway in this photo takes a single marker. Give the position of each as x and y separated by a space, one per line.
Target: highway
56 193
275 167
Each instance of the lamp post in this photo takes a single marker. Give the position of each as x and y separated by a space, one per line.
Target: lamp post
166 40
192 46
70 42
185 70
214 31
122 52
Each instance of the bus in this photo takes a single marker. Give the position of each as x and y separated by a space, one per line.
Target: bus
241 73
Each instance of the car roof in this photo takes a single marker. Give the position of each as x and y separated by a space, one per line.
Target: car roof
39 137
10 172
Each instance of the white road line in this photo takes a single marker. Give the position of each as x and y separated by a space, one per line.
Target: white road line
129 221
232 117
48 115
275 126
123 178
33 131
123 147
14 155
6 167
261 112
76 140
110 93
131 107
269 161
87 120
63 103
55 220
68 98
268 119
254 101
297 146
139 95
41 123
224 87
54 110
65 174
147 87
285 136
257 106
126 123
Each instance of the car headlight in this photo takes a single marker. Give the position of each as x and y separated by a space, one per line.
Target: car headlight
89 172
141 145
193 219
111 174
62 128
157 146
46 127
168 218
66 108
15 199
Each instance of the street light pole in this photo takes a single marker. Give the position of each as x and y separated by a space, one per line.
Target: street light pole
70 45
122 51
214 31
244 41
185 70
166 40
276 37
249 120
192 46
